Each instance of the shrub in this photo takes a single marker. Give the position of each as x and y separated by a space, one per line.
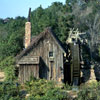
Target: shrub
8 66
9 91
67 86
42 89
90 92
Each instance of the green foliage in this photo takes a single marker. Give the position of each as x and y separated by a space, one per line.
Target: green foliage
12 30
99 50
67 86
55 17
11 36
89 92
74 14
61 17
9 91
45 90
8 66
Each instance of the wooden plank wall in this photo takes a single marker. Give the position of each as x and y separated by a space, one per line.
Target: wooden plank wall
42 50
28 71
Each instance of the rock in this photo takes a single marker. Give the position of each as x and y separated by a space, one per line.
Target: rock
92 76
2 76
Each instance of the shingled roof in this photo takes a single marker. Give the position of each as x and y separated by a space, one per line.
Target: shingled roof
36 40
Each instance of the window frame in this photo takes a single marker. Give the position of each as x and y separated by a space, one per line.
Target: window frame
51 54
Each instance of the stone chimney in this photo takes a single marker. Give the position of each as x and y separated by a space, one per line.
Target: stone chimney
27 34
28 31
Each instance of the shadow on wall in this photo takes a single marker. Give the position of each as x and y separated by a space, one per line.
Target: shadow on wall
67 75
86 75
43 70
85 72
97 71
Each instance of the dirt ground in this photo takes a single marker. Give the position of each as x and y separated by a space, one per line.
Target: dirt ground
2 76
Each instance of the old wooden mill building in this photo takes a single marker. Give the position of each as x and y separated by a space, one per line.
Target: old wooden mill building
45 56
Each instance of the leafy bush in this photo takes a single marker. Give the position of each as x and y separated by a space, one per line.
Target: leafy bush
67 86
42 89
90 92
9 91
8 66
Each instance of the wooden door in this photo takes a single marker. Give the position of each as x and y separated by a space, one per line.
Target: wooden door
28 71
51 70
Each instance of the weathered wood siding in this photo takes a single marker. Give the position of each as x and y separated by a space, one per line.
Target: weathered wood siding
50 68
27 71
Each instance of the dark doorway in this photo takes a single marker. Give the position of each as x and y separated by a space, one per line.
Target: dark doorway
67 73
43 69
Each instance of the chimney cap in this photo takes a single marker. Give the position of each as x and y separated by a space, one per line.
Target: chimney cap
29 15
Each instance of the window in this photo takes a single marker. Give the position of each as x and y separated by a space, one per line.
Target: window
73 39
50 54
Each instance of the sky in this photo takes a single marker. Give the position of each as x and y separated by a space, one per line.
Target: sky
14 8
